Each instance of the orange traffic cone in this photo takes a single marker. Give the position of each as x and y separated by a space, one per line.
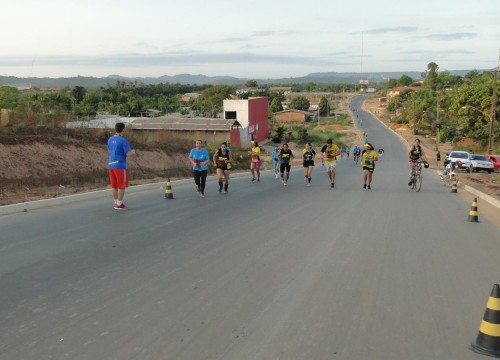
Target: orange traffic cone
168 190
488 339
473 212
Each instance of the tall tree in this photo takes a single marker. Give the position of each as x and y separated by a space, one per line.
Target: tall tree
299 103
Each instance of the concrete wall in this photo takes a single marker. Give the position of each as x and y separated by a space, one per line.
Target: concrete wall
209 137
241 108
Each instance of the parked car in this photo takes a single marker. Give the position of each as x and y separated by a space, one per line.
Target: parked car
461 158
480 162
495 160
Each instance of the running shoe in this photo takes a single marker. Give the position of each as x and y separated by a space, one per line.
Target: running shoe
258 179
369 187
410 183
121 207
202 195
284 183
199 189
332 185
308 184
364 186
253 179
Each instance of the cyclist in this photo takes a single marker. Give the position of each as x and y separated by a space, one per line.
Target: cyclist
286 158
368 158
308 155
329 154
276 161
416 153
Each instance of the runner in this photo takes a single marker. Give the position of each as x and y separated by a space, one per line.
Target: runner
368 158
199 158
308 155
255 161
286 158
348 151
119 149
222 161
355 153
329 154
276 161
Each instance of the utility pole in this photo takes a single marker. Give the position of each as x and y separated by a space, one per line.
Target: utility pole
491 139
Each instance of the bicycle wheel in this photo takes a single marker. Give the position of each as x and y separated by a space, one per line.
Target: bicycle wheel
417 182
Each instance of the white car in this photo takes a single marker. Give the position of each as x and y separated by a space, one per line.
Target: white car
480 162
470 162
460 157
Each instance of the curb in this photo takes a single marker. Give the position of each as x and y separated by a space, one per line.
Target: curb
99 194
488 198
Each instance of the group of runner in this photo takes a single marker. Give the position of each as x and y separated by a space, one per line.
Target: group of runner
222 158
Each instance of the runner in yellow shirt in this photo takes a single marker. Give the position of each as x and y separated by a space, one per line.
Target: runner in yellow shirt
329 154
368 158
255 161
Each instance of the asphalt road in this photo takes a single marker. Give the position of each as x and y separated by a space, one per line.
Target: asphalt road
264 272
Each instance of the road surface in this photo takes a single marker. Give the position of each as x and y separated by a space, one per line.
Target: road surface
264 272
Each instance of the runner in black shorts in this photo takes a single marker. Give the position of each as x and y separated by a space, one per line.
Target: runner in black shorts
308 155
286 157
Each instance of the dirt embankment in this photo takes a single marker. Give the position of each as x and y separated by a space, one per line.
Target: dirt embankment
40 170
484 182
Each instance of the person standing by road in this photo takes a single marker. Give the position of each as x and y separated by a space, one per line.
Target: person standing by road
329 154
222 161
199 157
119 149
286 158
255 161
308 155
368 158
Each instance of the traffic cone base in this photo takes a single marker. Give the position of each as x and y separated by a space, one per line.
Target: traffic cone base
168 190
488 339
473 212
454 187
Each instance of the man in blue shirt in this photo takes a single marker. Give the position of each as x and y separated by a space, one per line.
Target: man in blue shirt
119 149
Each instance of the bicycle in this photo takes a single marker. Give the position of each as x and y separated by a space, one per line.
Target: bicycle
416 177
449 176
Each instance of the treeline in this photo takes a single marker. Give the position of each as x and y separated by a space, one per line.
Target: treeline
459 107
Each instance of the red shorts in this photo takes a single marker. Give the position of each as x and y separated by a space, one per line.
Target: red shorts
118 178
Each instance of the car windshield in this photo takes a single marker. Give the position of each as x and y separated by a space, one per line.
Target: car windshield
478 157
459 155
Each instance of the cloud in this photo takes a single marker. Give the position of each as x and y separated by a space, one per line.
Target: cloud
400 29
166 59
455 36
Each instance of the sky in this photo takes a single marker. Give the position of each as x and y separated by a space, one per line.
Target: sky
252 39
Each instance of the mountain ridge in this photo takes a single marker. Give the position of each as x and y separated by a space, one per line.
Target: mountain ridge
200 79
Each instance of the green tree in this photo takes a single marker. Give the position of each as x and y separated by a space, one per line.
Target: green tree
299 103
430 80
9 97
275 106
78 93
251 84
323 106
405 80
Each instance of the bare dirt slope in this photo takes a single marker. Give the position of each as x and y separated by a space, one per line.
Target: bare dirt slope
39 170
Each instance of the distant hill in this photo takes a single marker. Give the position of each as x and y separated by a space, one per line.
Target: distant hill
319 78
